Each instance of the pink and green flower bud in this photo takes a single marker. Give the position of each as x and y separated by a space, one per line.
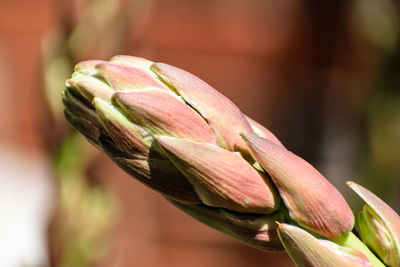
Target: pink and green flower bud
312 201
129 137
122 77
220 177
226 120
131 61
87 67
379 226
309 251
259 231
161 113
91 87
182 138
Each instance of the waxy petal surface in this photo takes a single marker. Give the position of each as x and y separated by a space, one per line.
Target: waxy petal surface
161 113
312 201
129 137
132 61
388 219
88 67
127 78
221 178
226 120
91 87
308 251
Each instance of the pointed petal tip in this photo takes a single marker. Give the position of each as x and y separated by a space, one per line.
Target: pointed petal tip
99 103
120 98
260 130
351 184
358 189
168 143
221 177
252 140
102 67
90 86
307 250
165 140
260 145
384 221
244 135
280 225
308 205
88 67
156 66
70 82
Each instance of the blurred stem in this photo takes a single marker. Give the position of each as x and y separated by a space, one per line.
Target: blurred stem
352 241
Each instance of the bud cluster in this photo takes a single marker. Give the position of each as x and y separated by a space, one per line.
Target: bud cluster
178 135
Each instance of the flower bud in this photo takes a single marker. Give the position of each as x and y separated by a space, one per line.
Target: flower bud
161 113
122 77
129 137
221 178
132 61
226 120
87 67
379 226
312 201
308 251
91 87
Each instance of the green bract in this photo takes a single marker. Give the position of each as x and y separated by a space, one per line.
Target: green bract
379 226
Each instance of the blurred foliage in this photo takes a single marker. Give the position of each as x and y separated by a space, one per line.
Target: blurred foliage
86 212
92 29
379 20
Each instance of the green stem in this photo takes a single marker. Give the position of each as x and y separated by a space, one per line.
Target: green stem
352 241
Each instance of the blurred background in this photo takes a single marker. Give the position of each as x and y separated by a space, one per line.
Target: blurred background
322 75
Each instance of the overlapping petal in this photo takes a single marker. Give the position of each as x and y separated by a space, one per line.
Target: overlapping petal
260 130
160 112
122 77
129 137
91 87
221 177
379 226
308 251
312 201
225 119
